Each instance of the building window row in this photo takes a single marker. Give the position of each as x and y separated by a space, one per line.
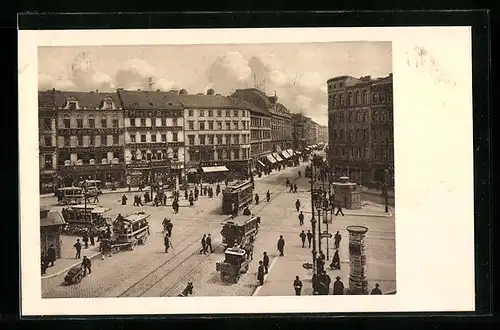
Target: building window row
143 138
152 122
90 141
155 154
219 154
358 98
218 125
217 113
217 139
90 158
79 122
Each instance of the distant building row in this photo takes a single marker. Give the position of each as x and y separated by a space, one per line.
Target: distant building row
114 137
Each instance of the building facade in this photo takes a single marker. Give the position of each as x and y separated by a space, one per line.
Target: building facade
323 133
90 137
47 140
357 133
299 136
153 138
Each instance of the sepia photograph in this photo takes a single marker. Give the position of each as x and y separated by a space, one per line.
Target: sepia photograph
232 170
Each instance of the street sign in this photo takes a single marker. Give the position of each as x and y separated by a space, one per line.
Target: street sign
325 235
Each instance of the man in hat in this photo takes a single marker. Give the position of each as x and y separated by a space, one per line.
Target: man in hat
78 248
51 255
336 240
338 286
301 218
265 262
281 245
309 237
302 236
260 273
297 285
376 289
297 205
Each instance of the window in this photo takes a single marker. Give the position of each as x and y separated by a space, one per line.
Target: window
228 125
104 140
104 121
174 122
219 113
72 105
350 100
211 125
202 125
47 141
175 153
210 113
202 113
375 116
67 141
109 105
236 139
389 97
79 141
47 124
132 138
341 134
244 125
191 125
342 118
79 121
115 121
358 98
382 135
132 122
143 138
191 139
236 154
235 124
218 139
366 98
365 116
190 113
116 139
359 137
235 113
374 135
47 161
381 97
143 122
228 139
341 100
66 121
210 139
365 134
367 152
219 125
163 122
91 140
164 138
202 139
153 137
349 136
374 98
349 117
334 101
228 113
175 137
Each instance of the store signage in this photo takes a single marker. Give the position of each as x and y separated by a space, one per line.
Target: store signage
153 113
93 149
91 168
140 145
89 131
154 128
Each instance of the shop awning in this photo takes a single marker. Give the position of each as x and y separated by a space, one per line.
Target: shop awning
192 170
271 159
290 152
213 169
285 154
298 153
261 163
278 158
307 149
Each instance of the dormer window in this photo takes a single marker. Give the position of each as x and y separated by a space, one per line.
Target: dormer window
72 105
108 105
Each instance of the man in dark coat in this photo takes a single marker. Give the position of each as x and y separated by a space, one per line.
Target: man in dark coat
295 188
339 209
324 283
247 211
335 260
85 239
301 218
78 248
297 205
166 242
336 240
257 199
268 196
186 194
175 206
124 200
297 285
208 243
169 225
265 262
51 255
376 289
338 286
86 264
91 237
302 236
196 193
217 190
164 199
203 244
260 273
309 237
191 200
281 245
43 264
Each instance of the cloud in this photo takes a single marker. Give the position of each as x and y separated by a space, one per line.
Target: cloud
228 72
46 82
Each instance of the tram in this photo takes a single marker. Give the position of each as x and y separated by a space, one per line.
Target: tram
238 194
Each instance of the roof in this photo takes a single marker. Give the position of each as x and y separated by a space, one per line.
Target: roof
46 99
136 217
235 252
239 220
148 100
53 218
252 107
85 99
200 101
211 169
254 96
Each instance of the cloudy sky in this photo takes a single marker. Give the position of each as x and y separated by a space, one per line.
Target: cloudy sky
296 72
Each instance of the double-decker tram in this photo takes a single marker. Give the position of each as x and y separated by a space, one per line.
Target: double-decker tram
237 196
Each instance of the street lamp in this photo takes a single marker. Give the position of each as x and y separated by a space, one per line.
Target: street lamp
319 206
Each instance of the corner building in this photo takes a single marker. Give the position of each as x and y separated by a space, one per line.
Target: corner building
47 140
89 137
154 140
360 127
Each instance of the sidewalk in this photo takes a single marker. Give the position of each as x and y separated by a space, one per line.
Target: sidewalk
67 259
373 191
368 209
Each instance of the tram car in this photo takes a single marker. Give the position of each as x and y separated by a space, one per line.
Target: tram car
238 194
239 230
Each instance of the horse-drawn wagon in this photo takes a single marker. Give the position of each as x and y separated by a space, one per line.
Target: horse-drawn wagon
234 264
128 232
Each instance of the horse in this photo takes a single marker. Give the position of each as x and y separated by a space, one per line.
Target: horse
188 290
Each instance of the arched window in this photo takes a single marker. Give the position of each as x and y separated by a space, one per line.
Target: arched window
358 98
375 116
91 121
341 100
79 121
358 116
374 97
351 102
334 101
381 97
104 121
366 98
66 121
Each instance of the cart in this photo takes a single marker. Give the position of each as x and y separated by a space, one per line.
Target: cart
75 275
233 266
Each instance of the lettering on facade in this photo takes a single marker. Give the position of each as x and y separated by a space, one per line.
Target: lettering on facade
93 149
152 113
141 145
154 128
90 168
89 131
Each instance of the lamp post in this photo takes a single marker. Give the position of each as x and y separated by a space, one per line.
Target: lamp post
313 226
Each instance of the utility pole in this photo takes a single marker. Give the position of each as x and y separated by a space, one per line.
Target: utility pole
313 224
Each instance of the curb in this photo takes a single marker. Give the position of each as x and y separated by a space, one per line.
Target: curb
388 215
69 267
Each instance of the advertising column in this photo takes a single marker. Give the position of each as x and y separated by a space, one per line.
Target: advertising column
358 284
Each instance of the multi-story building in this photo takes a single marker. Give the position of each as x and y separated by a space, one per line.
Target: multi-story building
323 133
357 132
89 137
216 132
299 131
154 139
47 115
281 121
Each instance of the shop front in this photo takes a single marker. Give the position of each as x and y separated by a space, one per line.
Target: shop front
151 172
109 174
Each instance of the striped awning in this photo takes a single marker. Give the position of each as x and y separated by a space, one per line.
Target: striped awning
285 154
290 152
261 163
212 169
271 159
278 158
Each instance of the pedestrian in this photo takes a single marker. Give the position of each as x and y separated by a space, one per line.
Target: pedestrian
186 194
43 263
78 248
139 201
191 200
86 264
246 211
208 243
295 188
335 260
301 219
166 242
291 187
376 289
281 245
303 236
91 237
51 255
124 200
256 199
338 286
169 227
164 199
155 200
203 244
265 262
205 191
309 237
196 193
297 285
325 282
217 189
297 205
320 262
339 209
336 240
226 182
146 197
96 197
260 273
268 196
85 239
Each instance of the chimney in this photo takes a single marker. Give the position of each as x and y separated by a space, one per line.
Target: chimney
183 91
210 91
173 91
